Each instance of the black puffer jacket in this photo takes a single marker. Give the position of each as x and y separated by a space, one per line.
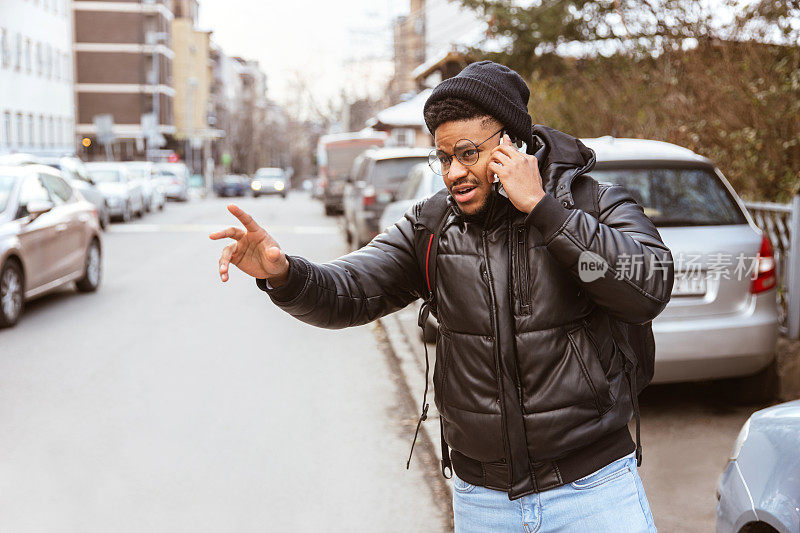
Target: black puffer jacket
528 379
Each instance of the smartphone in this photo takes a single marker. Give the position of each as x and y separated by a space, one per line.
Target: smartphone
519 145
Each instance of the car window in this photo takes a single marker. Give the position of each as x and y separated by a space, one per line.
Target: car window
411 185
32 190
676 196
60 191
106 176
391 173
6 185
435 184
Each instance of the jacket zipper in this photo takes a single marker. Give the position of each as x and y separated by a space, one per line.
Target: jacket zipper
523 295
495 344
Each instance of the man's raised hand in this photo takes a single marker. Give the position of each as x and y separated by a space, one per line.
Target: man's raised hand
253 251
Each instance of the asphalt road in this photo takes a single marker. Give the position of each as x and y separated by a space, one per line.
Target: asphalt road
169 401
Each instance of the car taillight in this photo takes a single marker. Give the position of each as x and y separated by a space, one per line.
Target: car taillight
764 275
368 196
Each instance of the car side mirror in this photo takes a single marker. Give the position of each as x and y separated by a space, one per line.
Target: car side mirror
36 208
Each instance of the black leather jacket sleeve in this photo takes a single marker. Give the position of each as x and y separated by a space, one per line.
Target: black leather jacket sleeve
638 283
357 288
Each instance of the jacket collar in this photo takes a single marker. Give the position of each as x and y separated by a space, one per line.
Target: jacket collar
562 158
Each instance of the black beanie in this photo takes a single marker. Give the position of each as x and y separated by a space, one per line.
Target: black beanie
494 87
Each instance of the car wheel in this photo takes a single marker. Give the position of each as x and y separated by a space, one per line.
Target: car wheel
92 270
330 211
126 212
104 219
759 388
11 293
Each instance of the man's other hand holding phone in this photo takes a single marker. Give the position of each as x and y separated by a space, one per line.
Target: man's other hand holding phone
519 174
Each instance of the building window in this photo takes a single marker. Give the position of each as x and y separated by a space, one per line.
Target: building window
47 58
38 58
28 62
5 53
42 131
18 63
30 130
52 124
19 129
6 132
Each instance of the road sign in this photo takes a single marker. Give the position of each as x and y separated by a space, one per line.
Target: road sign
150 131
105 128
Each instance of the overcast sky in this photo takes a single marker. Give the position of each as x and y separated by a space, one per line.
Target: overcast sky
333 45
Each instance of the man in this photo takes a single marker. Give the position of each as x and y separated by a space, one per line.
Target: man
529 379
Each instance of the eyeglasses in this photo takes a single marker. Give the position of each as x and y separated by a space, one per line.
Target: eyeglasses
464 150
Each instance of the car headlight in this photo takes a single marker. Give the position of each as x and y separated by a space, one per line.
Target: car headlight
740 440
256 185
278 185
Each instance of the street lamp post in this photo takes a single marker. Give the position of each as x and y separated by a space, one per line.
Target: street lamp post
153 38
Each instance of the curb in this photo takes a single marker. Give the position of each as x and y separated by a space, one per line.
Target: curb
406 347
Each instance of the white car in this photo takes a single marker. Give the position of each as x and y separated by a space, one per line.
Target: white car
174 178
421 183
152 189
721 322
123 192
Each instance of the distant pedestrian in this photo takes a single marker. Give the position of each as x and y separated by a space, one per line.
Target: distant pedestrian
536 361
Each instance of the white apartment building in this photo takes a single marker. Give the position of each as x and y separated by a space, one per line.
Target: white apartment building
37 99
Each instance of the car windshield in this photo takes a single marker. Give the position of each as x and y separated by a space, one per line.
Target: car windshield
276 174
391 173
106 176
6 184
676 196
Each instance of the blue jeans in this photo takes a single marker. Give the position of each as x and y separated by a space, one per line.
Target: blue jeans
611 499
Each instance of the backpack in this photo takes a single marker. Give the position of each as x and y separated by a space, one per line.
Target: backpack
635 341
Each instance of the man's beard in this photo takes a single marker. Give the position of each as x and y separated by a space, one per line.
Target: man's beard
479 216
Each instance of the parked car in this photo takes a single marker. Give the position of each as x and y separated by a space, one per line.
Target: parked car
232 185
152 189
174 178
123 193
374 182
270 181
74 171
421 183
49 237
715 326
759 490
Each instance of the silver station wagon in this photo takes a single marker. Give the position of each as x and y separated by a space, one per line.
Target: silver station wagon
49 237
722 319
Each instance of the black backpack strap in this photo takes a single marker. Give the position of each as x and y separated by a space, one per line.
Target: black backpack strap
586 194
432 218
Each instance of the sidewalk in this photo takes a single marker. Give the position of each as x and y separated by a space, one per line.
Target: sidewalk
406 344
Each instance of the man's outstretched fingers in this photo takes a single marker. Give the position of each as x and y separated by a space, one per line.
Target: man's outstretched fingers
233 233
246 220
225 260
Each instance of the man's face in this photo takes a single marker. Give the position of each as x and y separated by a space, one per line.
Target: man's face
470 185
